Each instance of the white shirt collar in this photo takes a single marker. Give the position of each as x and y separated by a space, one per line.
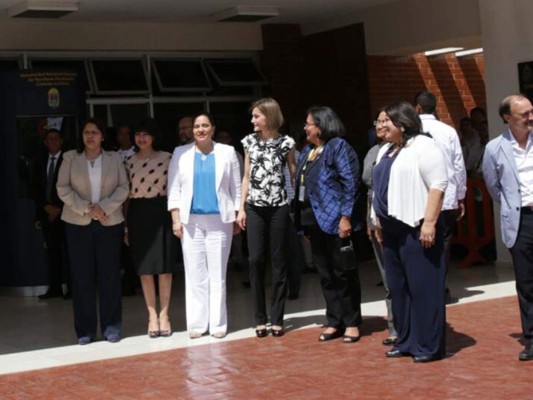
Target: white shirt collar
427 116
56 156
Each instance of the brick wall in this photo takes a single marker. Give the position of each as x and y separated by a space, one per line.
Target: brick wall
282 61
327 68
457 82
336 75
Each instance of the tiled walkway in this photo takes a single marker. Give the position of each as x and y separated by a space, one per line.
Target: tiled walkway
482 364
483 344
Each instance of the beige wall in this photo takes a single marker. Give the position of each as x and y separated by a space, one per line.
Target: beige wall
397 27
47 35
404 27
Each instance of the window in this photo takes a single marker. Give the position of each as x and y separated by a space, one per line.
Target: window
119 77
185 75
8 65
235 72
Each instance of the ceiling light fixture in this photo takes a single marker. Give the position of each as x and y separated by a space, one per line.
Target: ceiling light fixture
246 14
442 51
42 9
469 52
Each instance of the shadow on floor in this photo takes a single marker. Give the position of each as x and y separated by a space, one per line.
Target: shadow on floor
457 341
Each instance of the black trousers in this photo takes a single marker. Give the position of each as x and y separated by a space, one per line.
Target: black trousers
449 218
294 259
94 252
54 237
522 255
271 223
340 285
416 278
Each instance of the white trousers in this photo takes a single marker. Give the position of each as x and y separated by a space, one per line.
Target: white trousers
206 246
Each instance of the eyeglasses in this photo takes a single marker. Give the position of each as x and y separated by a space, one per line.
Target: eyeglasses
524 114
381 121
309 124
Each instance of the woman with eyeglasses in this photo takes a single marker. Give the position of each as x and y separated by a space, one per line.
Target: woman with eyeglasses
368 165
93 184
264 211
149 225
409 180
326 192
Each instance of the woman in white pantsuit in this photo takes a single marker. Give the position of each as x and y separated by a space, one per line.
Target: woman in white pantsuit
204 193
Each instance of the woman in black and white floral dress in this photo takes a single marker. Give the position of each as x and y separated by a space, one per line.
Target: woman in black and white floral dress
264 211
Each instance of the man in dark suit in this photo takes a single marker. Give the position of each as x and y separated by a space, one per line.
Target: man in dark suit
48 211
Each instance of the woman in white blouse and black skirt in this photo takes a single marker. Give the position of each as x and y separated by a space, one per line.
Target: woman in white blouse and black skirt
264 209
149 224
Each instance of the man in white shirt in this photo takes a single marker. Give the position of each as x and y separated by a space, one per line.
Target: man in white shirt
123 138
508 173
185 135
447 139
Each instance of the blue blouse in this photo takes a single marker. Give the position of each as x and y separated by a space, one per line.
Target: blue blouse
380 184
204 199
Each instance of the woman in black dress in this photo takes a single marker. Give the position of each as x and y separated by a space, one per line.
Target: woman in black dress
149 225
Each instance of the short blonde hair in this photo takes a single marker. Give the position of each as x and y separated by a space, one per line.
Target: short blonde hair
271 110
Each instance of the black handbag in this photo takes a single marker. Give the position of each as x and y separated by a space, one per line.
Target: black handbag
348 259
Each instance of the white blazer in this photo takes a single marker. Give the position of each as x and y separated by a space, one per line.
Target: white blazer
227 180
420 166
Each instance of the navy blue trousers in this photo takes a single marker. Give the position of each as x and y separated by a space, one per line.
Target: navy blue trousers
416 279
522 255
94 253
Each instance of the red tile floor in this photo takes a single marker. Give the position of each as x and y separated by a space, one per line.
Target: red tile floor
483 346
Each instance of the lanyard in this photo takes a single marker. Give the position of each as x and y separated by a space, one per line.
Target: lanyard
313 154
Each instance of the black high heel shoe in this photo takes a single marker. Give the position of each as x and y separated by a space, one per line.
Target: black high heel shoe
350 339
261 333
390 341
278 332
324 337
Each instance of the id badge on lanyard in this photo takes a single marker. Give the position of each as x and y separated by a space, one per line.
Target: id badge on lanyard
301 195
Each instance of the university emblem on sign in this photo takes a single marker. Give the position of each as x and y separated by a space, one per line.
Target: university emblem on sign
53 98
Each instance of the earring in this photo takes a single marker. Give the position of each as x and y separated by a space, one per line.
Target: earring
402 129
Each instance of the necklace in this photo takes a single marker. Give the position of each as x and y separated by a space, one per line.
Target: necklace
315 153
146 157
92 159
204 155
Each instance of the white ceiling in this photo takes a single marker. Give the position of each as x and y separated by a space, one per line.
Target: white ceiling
290 11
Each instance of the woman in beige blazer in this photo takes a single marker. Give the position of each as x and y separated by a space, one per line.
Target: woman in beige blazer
93 184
